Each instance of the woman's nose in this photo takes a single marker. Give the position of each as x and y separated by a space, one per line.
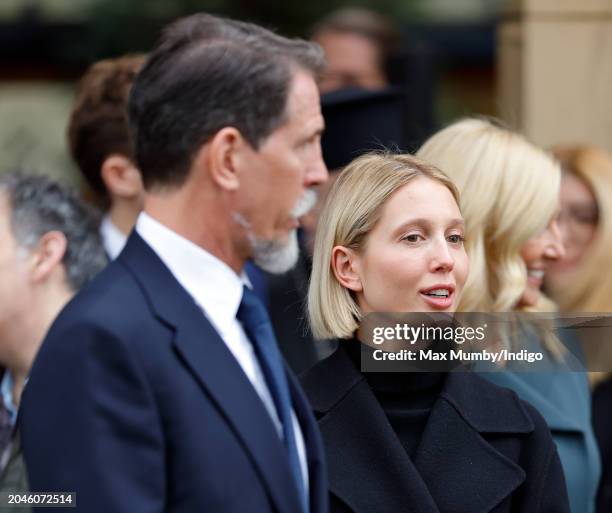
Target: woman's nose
442 259
555 248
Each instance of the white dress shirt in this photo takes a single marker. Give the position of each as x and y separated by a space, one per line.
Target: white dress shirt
112 238
217 289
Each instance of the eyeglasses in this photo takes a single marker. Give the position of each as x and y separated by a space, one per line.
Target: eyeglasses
579 217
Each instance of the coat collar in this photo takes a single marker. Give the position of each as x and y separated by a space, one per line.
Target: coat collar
214 367
364 454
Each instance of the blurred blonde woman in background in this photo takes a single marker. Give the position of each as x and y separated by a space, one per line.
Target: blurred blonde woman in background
510 192
579 282
390 239
582 281
510 199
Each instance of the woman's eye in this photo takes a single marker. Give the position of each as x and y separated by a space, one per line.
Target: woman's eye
413 237
455 239
586 217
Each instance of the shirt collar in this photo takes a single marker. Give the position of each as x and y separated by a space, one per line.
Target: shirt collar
214 286
112 237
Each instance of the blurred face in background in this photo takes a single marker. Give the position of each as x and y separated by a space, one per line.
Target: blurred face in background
539 253
353 60
577 222
413 260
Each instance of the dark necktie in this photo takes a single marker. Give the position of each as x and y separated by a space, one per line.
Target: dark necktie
254 318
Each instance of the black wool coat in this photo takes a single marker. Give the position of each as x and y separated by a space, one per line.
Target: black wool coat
483 449
602 424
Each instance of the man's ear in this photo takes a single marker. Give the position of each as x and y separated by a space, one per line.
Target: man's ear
121 177
345 264
226 155
48 255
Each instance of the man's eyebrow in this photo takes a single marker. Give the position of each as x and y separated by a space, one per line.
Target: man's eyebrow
315 133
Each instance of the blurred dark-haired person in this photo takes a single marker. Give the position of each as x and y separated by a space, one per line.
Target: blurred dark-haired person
49 248
358 44
99 141
580 281
161 384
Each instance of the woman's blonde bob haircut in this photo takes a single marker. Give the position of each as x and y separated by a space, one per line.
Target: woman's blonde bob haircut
509 193
352 209
588 287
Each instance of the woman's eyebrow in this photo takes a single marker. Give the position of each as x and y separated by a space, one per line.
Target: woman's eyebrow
412 222
423 221
458 221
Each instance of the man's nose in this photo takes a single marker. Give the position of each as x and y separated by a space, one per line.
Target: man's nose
316 174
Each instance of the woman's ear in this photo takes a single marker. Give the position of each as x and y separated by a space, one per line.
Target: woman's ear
48 255
345 263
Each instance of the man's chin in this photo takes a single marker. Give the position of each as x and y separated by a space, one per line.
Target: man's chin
276 256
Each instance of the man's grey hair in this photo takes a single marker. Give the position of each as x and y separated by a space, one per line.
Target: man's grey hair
39 205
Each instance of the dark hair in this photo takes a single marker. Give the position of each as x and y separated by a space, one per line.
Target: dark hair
207 73
365 23
98 124
39 205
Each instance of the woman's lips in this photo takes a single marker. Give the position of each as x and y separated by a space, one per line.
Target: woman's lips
535 278
439 297
439 302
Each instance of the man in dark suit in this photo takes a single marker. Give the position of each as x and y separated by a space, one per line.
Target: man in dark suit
160 388
100 144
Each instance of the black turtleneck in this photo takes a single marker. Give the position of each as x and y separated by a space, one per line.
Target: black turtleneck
406 397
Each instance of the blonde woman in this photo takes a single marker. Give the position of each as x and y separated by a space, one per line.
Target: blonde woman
581 281
577 282
509 198
390 239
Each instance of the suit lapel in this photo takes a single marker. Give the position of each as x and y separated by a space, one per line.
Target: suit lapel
214 367
368 468
475 476
317 473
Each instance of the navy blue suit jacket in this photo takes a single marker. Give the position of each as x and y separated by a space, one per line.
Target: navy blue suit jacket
135 403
